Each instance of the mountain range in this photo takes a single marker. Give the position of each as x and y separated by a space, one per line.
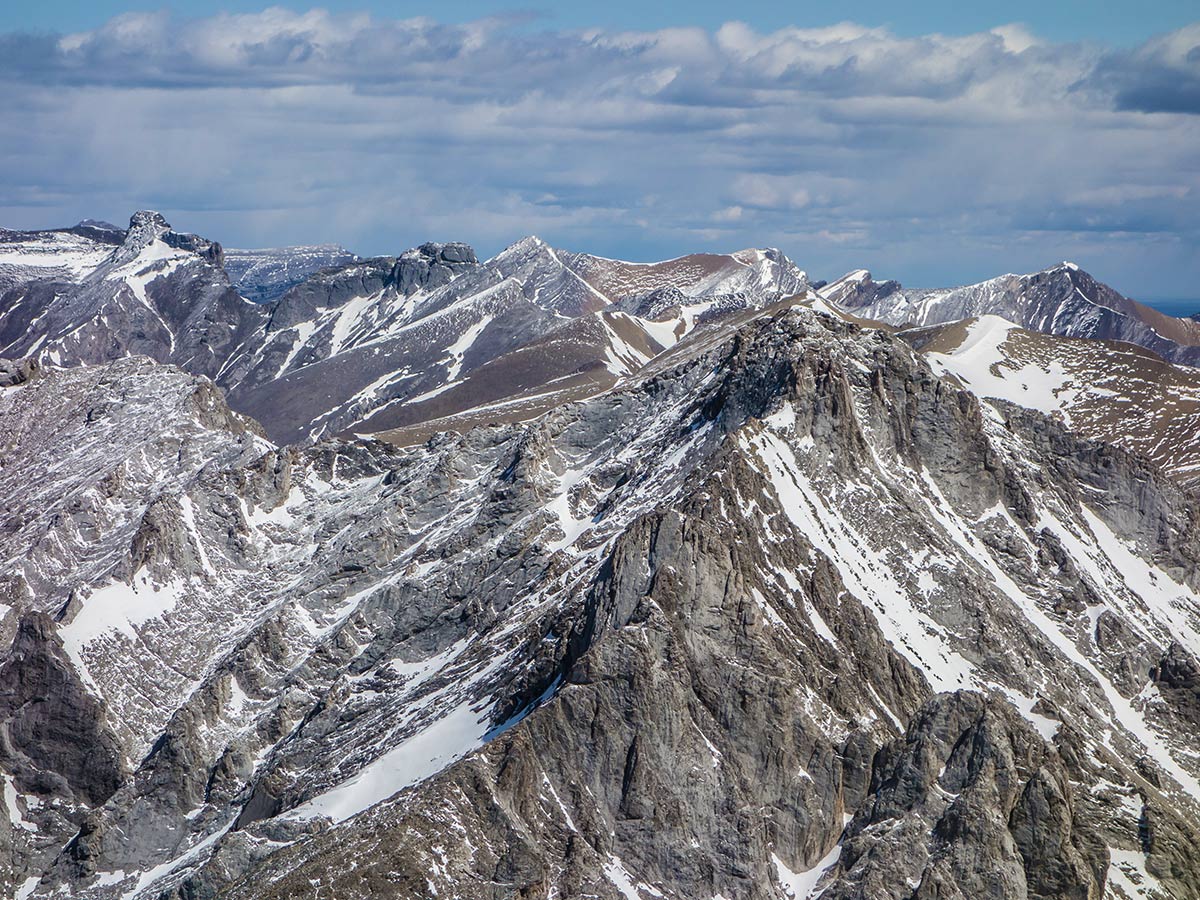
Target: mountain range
556 576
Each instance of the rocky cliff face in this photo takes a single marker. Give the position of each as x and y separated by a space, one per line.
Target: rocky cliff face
784 612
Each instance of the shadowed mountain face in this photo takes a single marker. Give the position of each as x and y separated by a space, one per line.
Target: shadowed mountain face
669 582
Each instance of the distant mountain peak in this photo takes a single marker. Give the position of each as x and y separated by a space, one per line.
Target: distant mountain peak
751 255
530 245
1062 299
858 288
1066 267
447 252
530 240
431 265
145 217
99 225
145 227
858 276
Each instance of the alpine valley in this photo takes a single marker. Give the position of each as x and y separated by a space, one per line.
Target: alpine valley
557 576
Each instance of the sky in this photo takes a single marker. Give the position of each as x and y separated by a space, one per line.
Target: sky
934 143
1120 22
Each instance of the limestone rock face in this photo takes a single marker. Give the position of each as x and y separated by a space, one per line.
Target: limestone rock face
55 732
975 804
17 371
431 266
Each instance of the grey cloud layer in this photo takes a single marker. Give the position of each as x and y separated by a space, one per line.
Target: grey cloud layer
847 145
1163 75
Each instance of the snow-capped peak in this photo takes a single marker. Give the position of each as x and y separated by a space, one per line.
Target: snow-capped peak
525 246
145 227
858 276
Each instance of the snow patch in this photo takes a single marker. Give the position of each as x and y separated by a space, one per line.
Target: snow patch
418 757
14 811
615 871
804 885
560 506
1044 725
989 371
458 350
117 607
1127 869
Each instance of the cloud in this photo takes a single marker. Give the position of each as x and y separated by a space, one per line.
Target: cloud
1162 75
928 158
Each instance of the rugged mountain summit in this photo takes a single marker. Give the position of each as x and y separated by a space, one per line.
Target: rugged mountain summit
1062 300
784 610
95 298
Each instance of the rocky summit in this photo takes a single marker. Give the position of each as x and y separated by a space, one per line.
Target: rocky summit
553 576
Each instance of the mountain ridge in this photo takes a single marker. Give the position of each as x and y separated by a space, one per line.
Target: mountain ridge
1109 390
1062 299
265 274
365 313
